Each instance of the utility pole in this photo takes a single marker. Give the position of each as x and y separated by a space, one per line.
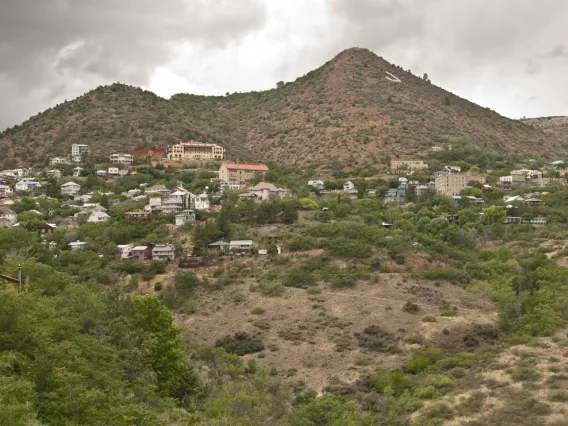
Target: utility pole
19 278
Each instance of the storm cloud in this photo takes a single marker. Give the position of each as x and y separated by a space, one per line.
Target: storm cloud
509 55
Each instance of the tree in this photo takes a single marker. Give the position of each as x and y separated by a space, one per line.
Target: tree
280 85
425 78
493 214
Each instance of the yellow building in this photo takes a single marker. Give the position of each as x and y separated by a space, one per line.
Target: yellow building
241 173
453 183
188 151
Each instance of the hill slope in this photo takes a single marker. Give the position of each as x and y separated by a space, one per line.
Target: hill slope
554 126
348 112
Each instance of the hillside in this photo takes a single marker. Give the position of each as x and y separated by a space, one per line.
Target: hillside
554 126
348 112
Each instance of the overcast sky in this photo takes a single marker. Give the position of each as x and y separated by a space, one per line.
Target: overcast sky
509 55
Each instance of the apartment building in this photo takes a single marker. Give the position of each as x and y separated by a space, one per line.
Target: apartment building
79 150
241 173
189 151
410 165
452 184
121 158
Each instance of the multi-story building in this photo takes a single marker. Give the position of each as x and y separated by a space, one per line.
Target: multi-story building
58 160
188 151
454 183
121 158
79 150
70 188
241 173
410 165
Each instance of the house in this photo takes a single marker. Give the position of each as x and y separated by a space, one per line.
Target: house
348 186
171 205
534 202
20 173
79 150
101 173
193 150
241 173
98 217
411 165
454 183
235 186
78 245
390 196
125 251
163 252
48 228
201 202
58 160
5 190
183 196
318 184
222 246
142 253
53 173
27 184
7 215
516 198
121 158
70 188
437 149
185 217
421 191
113 171
264 191
77 171
137 216
241 246
77 159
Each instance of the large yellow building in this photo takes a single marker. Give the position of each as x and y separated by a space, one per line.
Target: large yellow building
453 183
410 165
188 151
241 173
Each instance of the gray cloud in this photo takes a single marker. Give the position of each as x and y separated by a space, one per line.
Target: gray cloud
54 47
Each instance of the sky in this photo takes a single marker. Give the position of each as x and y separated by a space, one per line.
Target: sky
508 55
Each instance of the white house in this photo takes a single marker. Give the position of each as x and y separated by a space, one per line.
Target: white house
125 251
70 188
77 171
78 245
201 202
185 217
53 173
58 160
317 184
348 186
7 215
98 217
163 252
101 173
27 184
121 158
171 205
77 159
123 172
5 190
113 171
241 245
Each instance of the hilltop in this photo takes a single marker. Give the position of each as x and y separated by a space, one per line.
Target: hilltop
350 112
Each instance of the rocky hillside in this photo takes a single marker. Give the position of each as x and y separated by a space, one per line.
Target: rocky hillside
355 110
554 126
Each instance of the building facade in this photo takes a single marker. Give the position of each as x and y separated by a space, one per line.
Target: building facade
189 151
121 158
79 150
454 183
241 173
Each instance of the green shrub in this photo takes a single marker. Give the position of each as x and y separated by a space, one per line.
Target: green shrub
298 278
421 360
438 411
558 396
410 308
525 374
258 311
274 289
241 344
190 307
314 290
343 281
426 392
158 286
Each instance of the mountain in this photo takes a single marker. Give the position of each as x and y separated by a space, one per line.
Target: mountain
355 110
557 127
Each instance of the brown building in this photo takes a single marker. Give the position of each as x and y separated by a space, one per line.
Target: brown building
454 183
137 216
241 173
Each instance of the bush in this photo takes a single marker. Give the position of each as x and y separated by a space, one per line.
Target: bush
410 308
343 281
190 307
258 311
426 392
349 249
558 396
376 339
438 411
455 276
241 344
274 289
186 282
421 360
298 278
158 286
314 290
